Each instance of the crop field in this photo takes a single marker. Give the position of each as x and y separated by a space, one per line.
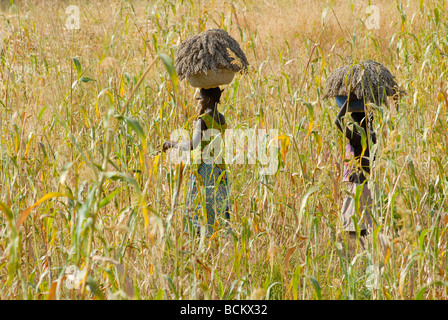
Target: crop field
90 208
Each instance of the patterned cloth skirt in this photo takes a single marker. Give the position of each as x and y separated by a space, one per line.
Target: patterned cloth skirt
207 199
349 213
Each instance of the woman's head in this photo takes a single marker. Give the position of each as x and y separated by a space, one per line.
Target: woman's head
209 97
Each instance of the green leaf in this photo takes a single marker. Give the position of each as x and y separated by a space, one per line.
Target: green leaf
358 194
421 239
94 287
84 213
375 236
7 211
268 291
169 65
436 16
159 294
108 198
77 66
41 113
86 79
135 125
316 287
122 176
303 204
413 258
172 286
220 289
419 295
309 108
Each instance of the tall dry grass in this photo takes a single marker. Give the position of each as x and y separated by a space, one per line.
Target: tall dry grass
83 187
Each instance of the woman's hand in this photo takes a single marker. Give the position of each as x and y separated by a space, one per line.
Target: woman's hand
166 145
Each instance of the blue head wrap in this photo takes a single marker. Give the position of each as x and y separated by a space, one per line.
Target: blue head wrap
354 105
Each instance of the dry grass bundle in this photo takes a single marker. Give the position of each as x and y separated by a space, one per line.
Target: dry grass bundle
368 80
209 51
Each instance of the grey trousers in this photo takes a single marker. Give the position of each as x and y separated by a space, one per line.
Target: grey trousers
349 213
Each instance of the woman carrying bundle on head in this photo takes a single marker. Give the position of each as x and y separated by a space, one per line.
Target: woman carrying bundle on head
353 86
207 61
209 176
357 165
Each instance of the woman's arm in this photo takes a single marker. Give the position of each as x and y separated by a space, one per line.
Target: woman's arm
339 122
188 145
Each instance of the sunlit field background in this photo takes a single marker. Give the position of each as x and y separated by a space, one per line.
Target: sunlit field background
84 189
